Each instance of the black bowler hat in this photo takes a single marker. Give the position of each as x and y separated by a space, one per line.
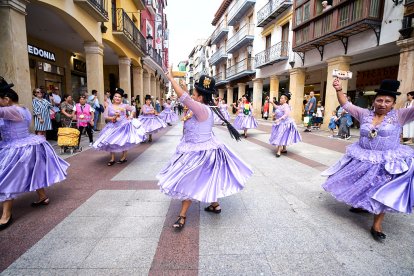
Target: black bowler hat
206 85
4 86
389 88
148 97
287 94
120 91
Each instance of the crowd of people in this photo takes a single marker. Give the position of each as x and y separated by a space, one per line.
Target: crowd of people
375 175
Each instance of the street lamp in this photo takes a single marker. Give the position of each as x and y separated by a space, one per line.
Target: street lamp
249 50
149 42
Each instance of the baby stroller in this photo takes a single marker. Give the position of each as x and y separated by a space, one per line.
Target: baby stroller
68 138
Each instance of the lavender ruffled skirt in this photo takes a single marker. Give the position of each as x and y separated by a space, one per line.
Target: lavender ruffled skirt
284 134
168 116
225 114
120 136
377 181
151 123
243 122
204 172
28 164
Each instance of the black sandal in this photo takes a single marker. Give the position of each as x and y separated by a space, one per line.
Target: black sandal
178 224
110 163
39 203
122 161
7 224
378 236
213 209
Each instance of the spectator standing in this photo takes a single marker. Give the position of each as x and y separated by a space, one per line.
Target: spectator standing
266 108
84 117
408 129
319 115
93 101
107 99
157 105
66 108
41 112
125 99
310 108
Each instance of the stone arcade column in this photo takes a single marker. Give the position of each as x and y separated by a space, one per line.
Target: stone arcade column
297 88
138 89
152 88
331 100
257 97
95 72
406 69
274 87
146 84
221 93
14 65
157 89
229 97
125 75
242 90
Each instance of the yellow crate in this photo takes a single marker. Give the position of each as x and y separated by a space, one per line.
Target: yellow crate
68 137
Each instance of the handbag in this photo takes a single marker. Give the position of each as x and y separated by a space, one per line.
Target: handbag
306 120
52 114
266 114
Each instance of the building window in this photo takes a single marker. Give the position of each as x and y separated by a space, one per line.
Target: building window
268 41
302 13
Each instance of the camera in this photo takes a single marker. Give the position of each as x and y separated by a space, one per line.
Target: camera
342 75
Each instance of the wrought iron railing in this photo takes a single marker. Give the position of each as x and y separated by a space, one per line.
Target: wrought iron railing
100 5
269 8
220 27
216 56
239 67
155 56
276 52
125 24
246 30
235 8
220 77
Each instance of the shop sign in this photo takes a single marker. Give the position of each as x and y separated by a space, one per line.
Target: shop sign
375 76
33 50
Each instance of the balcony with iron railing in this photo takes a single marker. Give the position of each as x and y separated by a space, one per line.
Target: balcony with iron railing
128 33
220 32
220 78
346 18
243 37
241 69
272 10
274 54
96 8
238 10
155 56
218 56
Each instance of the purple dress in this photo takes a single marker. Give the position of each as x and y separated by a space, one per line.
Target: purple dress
27 161
202 168
121 135
167 115
151 122
284 133
224 112
243 121
376 173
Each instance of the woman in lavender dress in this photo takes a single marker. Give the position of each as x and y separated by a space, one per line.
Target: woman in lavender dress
284 130
150 121
27 162
202 168
168 115
121 132
223 109
376 173
245 119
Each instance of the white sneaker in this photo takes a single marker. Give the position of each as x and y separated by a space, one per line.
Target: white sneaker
90 144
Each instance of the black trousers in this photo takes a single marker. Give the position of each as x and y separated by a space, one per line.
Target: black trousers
88 129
